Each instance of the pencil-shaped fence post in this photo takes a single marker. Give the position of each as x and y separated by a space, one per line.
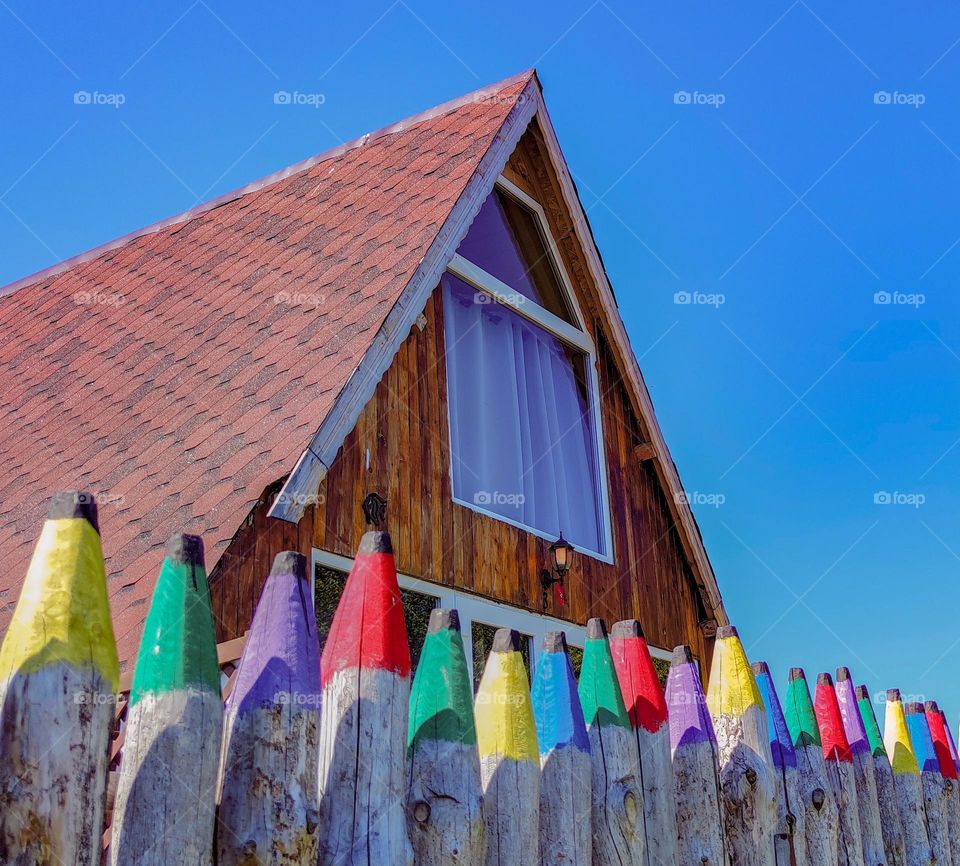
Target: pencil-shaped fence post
268 789
647 710
934 792
509 758
864 774
565 780
365 674
839 761
820 815
696 771
790 833
165 808
890 822
748 785
617 795
58 677
948 770
906 782
444 802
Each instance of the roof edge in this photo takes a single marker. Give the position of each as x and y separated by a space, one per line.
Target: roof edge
322 449
391 129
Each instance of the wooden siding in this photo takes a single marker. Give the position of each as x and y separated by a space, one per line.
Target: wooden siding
400 448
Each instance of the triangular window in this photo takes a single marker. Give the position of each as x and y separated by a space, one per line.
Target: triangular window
506 241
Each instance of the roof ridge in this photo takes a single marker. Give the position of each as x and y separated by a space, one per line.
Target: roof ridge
256 185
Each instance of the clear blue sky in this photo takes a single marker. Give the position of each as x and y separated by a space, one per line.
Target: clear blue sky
788 407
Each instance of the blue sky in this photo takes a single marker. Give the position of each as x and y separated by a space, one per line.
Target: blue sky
783 167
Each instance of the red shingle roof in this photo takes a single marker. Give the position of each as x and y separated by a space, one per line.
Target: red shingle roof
180 371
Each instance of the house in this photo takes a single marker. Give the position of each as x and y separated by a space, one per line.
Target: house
422 314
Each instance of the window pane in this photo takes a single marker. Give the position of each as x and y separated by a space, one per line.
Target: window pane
329 583
483 641
506 242
521 422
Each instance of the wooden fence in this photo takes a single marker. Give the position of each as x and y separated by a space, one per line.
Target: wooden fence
260 751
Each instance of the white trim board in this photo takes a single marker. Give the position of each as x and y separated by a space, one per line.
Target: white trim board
474 608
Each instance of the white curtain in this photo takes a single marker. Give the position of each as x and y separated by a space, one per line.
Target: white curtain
522 436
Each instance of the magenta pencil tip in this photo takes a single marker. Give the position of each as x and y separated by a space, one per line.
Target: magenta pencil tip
626 628
824 679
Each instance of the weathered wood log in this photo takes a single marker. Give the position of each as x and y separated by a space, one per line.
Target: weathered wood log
268 791
906 783
890 822
790 832
444 801
509 757
617 795
165 808
565 780
821 820
839 761
365 673
934 792
647 710
748 784
948 770
58 678
864 773
696 770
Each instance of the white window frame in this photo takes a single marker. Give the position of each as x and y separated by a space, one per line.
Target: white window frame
579 338
474 608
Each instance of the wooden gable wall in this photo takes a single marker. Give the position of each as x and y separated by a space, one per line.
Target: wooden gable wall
400 447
